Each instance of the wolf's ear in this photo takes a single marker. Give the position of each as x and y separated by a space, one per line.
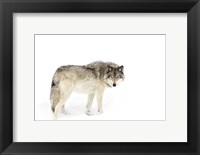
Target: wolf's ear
109 68
121 69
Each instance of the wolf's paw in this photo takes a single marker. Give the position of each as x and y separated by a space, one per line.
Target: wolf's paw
64 111
89 113
100 112
54 117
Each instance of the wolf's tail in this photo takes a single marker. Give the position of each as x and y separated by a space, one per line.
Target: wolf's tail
54 95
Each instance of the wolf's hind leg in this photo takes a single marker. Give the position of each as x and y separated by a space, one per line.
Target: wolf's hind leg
63 109
65 87
89 104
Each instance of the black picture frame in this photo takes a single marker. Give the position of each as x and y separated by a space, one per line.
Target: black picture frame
8 7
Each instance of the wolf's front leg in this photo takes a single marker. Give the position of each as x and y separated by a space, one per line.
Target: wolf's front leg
99 96
89 104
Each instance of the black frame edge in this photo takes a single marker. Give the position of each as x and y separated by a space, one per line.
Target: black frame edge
96 6
1 80
6 78
198 70
192 76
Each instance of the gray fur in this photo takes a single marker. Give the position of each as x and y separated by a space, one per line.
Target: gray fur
91 79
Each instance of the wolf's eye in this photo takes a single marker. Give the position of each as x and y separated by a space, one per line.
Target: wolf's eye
118 77
110 77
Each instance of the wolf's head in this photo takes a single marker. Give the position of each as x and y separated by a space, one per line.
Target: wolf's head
114 75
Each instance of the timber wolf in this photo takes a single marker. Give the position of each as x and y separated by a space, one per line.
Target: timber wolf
91 79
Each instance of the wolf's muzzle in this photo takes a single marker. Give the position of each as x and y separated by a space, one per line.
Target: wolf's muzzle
114 85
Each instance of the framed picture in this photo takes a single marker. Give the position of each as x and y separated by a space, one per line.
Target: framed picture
99 77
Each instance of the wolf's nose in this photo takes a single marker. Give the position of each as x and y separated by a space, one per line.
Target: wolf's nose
114 85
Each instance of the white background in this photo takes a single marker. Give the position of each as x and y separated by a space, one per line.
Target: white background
173 129
140 97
